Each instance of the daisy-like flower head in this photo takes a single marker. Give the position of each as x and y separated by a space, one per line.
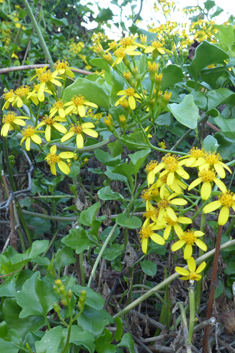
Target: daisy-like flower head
21 96
150 166
77 105
226 200
9 98
79 130
30 133
213 160
130 41
165 206
10 121
157 46
52 159
58 107
195 158
52 123
62 68
34 94
170 225
121 53
47 78
190 238
131 94
192 274
206 177
146 232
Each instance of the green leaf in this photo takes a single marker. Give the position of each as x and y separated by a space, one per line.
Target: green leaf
135 141
149 267
171 75
226 148
84 339
93 320
112 252
225 37
106 158
37 248
128 342
164 119
219 289
7 288
107 193
75 169
8 347
115 148
93 299
10 313
209 4
119 330
219 96
77 240
206 54
115 176
63 257
90 90
104 15
187 113
210 144
50 341
101 63
87 216
103 343
230 269
36 297
59 22
227 126
132 222
138 159
218 11
200 99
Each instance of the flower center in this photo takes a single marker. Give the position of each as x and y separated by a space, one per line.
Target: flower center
146 232
127 41
48 121
8 95
163 203
78 100
156 45
169 159
146 195
120 53
193 276
151 213
153 66
150 166
77 129
61 65
9 118
130 91
226 199
123 103
28 132
58 105
213 158
196 152
127 75
189 237
22 91
207 175
46 77
53 158
170 221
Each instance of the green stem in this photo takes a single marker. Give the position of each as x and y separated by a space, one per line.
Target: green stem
198 288
39 33
101 253
185 327
81 261
169 280
192 313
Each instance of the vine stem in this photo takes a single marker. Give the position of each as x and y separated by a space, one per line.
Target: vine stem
212 288
39 33
192 312
169 280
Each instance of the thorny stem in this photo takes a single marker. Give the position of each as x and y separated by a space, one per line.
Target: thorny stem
212 288
169 280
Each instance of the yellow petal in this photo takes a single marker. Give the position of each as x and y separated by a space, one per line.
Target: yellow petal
36 139
79 141
90 132
178 202
220 185
53 169
170 178
132 102
182 271
63 167
67 136
191 264
200 244
223 216
157 239
27 144
195 183
220 170
176 246
60 128
201 267
188 251
81 111
53 149
66 155
48 133
206 190
5 129
212 206
171 214
167 232
144 245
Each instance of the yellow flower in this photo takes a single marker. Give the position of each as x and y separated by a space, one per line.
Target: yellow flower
10 120
34 94
150 166
9 97
52 159
121 53
191 274
146 232
164 206
77 105
130 93
62 68
46 78
130 41
189 237
195 158
79 130
30 133
226 200
213 160
206 177
21 95
175 225
58 107
52 123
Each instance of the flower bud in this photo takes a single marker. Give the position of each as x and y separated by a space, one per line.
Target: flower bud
56 307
